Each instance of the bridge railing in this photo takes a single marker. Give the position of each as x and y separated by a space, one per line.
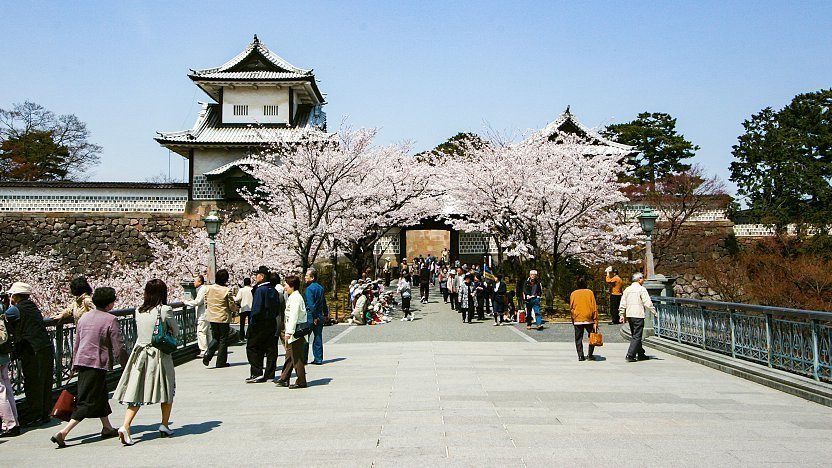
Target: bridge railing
62 334
793 340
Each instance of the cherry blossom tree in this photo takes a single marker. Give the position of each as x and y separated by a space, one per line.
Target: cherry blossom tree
545 201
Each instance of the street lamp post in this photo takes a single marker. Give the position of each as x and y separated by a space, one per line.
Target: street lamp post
647 219
212 225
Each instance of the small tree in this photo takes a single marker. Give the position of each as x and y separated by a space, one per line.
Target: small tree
36 144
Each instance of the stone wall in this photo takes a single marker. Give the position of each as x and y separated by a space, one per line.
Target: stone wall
696 242
85 242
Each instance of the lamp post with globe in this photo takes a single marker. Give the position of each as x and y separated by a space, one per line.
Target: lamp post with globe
212 226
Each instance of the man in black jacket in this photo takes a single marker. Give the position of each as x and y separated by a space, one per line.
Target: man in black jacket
424 282
262 330
33 347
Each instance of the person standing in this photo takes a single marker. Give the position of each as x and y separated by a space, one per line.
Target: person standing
404 290
149 376
453 291
295 346
220 306
315 313
498 301
261 342
9 424
81 301
33 348
386 271
615 283
467 301
97 337
532 292
244 299
203 328
481 289
443 283
635 301
584 317
458 281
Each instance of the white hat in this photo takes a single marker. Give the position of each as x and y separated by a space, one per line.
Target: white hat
20 288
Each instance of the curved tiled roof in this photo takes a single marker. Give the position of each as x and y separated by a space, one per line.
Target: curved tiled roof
557 126
256 47
209 130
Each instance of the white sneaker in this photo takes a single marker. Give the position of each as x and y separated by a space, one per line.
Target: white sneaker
404 319
496 324
411 318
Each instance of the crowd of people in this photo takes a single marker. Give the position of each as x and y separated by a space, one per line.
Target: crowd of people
276 310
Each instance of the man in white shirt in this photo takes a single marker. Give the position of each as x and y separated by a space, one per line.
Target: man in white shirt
244 298
635 301
203 328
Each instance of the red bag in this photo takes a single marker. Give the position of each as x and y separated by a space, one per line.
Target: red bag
64 407
521 317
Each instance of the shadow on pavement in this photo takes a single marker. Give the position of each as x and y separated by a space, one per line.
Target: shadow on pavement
319 382
330 361
150 431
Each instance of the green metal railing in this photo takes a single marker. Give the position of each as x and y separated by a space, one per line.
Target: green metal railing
62 333
793 340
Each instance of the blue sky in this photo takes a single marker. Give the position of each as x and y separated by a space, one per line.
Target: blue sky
420 71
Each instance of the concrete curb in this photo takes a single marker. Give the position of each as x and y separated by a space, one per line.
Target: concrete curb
779 380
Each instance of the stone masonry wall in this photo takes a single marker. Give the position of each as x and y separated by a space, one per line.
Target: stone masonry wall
696 242
85 242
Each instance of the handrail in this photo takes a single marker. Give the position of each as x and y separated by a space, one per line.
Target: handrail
793 340
62 334
782 311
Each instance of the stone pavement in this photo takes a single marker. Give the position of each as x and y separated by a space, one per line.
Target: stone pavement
409 394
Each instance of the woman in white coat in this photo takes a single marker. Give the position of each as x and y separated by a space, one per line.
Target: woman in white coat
295 346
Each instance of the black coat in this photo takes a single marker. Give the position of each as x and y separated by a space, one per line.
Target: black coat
26 326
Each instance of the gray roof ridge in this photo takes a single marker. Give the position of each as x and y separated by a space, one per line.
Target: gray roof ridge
255 44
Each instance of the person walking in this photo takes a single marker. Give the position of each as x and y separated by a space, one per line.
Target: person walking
149 376
203 328
467 301
615 283
316 309
9 424
220 307
295 346
584 317
97 338
532 292
244 299
498 302
404 290
635 301
424 281
262 330
81 301
480 290
34 350
453 291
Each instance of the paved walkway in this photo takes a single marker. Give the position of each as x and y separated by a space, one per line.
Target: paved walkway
435 392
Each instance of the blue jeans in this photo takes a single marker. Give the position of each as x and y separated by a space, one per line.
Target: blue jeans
318 342
533 305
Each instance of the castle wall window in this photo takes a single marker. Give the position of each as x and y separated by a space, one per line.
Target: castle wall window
270 110
240 109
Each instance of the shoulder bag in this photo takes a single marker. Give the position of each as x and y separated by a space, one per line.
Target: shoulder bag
162 339
302 329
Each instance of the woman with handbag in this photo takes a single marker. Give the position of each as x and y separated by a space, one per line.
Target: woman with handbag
149 376
296 347
97 337
584 317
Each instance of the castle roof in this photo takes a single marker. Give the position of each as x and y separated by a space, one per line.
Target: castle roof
310 123
567 123
257 63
